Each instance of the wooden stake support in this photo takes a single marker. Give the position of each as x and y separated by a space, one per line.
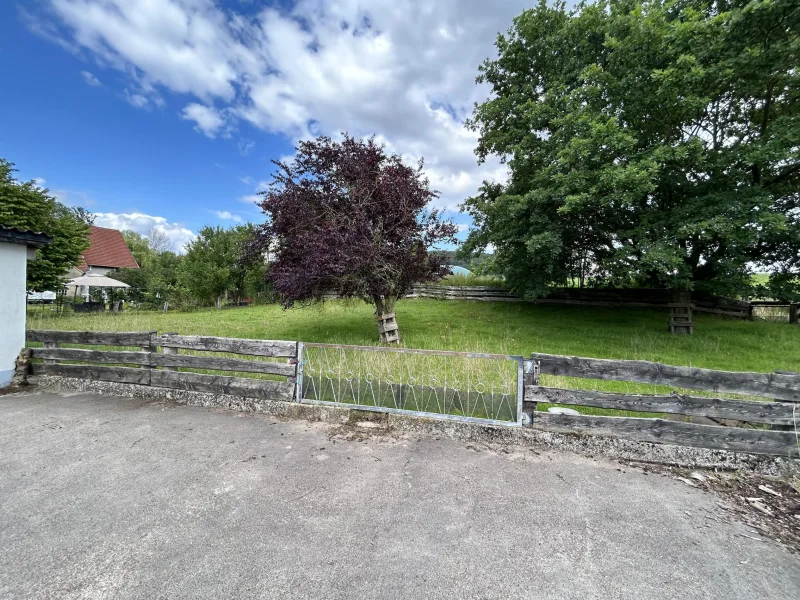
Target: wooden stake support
388 329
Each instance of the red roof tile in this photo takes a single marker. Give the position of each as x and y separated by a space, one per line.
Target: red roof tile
107 248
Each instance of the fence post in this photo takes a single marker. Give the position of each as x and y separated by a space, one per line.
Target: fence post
51 361
170 350
794 313
151 347
529 377
298 393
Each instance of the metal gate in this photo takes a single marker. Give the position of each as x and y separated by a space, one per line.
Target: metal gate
464 386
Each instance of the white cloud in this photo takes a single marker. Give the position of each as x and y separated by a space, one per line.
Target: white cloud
143 224
135 99
251 199
90 79
402 69
246 180
40 181
227 216
207 119
245 146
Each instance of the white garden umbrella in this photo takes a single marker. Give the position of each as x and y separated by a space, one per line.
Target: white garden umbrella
96 281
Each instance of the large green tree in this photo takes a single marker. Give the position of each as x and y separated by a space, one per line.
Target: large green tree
26 205
156 280
648 143
215 263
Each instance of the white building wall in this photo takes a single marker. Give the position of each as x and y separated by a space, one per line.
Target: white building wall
13 263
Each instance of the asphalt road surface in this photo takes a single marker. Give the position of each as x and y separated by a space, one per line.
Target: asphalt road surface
120 498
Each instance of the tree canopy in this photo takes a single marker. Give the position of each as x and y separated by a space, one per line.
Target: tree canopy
26 205
216 263
346 218
156 280
648 142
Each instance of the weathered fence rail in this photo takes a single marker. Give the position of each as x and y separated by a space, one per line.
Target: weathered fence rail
505 391
771 413
758 414
488 294
768 385
160 369
660 431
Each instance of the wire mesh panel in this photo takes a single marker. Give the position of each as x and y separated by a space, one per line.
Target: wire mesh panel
455 384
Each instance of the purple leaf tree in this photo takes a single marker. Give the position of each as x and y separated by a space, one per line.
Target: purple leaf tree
347 219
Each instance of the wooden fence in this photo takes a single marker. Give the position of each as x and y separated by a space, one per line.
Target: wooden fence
752 426
148 366
751 417
791 310
456 292
630 297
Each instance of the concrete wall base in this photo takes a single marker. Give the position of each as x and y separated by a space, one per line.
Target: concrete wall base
617 449
6 376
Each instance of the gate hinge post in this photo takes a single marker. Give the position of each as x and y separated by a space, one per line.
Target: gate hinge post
530 378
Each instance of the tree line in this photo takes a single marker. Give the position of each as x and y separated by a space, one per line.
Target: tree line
215 269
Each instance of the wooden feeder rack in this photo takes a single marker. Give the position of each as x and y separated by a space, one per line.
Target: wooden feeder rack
680 318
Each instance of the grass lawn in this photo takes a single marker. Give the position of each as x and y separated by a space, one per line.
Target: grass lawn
504 328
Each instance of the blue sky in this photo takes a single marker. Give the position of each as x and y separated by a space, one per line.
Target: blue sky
166 113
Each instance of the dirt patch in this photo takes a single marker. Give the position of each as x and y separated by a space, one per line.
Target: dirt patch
768 505
363 431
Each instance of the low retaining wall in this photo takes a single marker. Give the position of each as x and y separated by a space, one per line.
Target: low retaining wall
591 445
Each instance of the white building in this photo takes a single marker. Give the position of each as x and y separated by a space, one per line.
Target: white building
17 247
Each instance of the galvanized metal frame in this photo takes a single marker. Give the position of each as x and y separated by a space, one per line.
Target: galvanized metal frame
520 360
413 413
298 395
415 351
520 387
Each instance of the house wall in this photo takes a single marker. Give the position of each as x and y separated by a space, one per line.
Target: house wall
13 264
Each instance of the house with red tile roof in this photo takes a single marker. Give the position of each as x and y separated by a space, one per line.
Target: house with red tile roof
107 251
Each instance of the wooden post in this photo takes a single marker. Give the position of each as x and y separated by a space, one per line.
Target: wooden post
794 313
151 347
170 350
388 328
51 361
680 319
